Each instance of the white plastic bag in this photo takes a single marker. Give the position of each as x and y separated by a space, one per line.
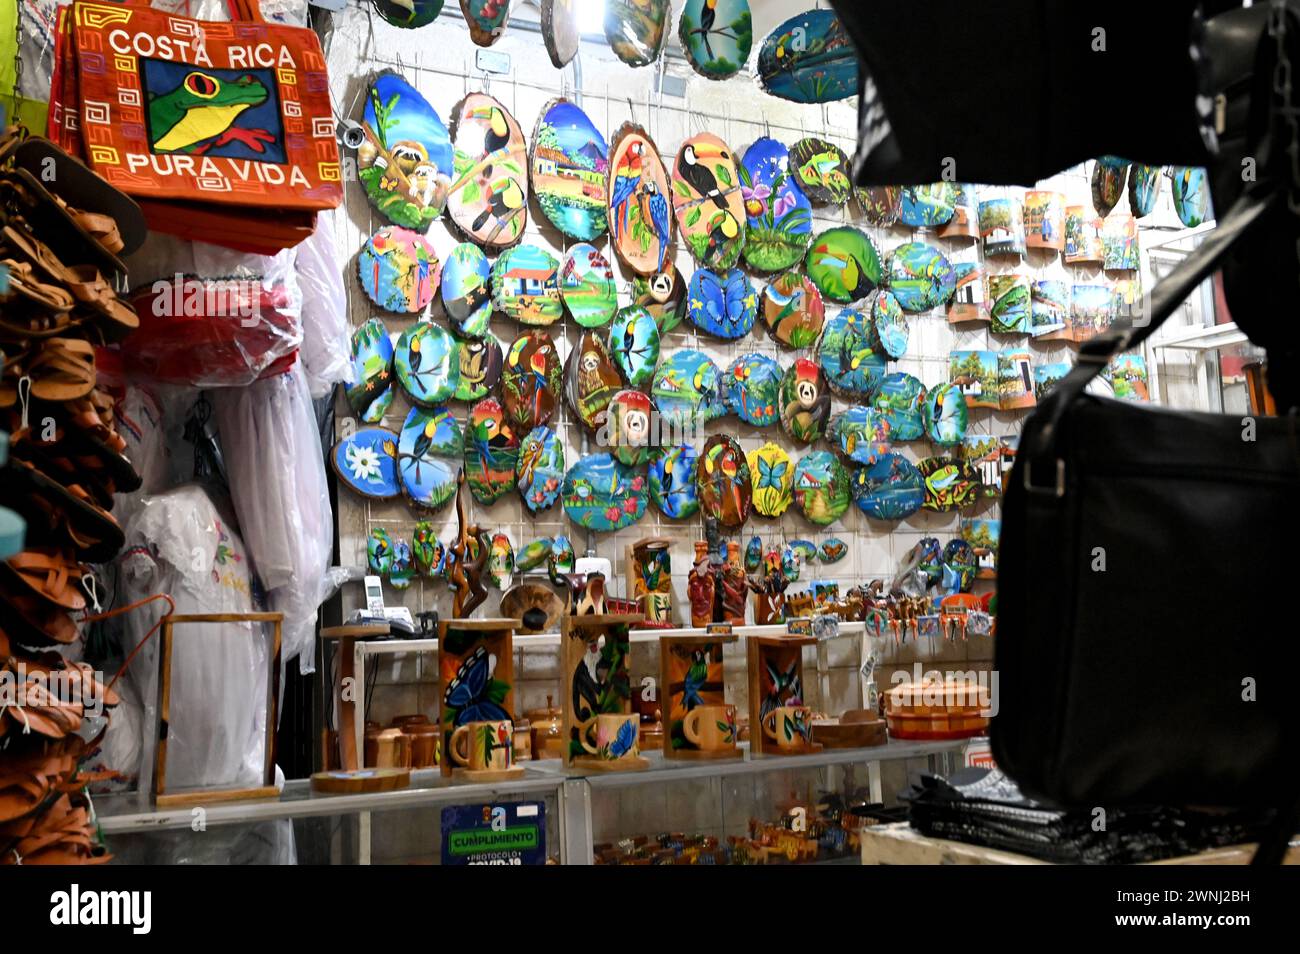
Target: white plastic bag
326 335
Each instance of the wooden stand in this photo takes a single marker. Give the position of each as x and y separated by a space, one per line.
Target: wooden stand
593 657
206 796
488 775
476 676
775 665
678 656
361 781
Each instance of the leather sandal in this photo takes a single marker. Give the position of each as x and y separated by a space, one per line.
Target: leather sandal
52 574
62 369
90 289
54 511
58 834
32 622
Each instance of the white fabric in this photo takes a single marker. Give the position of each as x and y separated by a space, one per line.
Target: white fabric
326 335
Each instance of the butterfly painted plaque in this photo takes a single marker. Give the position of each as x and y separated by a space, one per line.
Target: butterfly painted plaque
488 200
920 276
636 29
602 494
1082 235
832 550
427 363
371 393
1119 243
792 309
570 169
399 270
848 355
965 214
634 343
900 398
587 286
707 201
405 159
716 36
950 483
860 434
408 14
723 481
821 487
486 19
945 415
591 380
753 388
1002 227
1108 175
724 305
491 452
640 210
1044 215
772 472
889 325
501 561
525 285
480 367
560 31
778 224
429 453
889 489
628 427
366 462
467 290
809 59
663 294
532 378
539 473
805 401
687 389
927 206
822 171
843 264
880 204
672 480
1143 188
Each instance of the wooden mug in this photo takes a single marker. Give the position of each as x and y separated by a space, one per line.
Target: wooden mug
483 746
787 726
711 728
617 735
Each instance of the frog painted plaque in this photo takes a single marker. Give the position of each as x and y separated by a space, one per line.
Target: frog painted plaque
663 294
821 487
672 480
920 277
634 344
809 59
429 452
945 415
724 305
772 472
843 264
371 393
540 471
399 270
480 367
860 434
753 388
880 204
848 355
486 19
488 199
532 378
570 170
636 29
889 324
602 494
805 401
405 160
822 171
587 286
640 210
687 389
560 31
927 206
889 489
951 483
900 398
778 215
525 285
716 36
591 380
427 363
723 481
491 451
707 201
467 290
366 462
628 427
792 309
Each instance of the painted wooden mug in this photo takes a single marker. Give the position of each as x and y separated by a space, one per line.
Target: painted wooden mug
712 728
483 746
787 726
617 735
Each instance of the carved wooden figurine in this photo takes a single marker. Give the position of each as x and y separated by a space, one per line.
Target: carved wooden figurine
700 586
769 592
466 574
735 587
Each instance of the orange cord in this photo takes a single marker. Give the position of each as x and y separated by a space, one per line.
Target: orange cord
171 608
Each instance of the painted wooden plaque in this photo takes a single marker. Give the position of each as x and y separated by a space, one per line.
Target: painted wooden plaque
570 169
533 554
1108 175
1002 227
488 199
427 362
486 19
792 309
640 210
951 483
1143 188
371 393
560 31
1119 242
467 290
672 480
628 426
602 494
805 401
491 451
927 206
687 389
772 473
399 270
723 481
531 379
366 462
1082 235
724 305
946 416
822 171
590 380
707 201
1049 305
900 399
716 36
429 452
587 286
539 473
1009 303
809 58
663 294
889 489
636 29
778 215
880 204
501 561
480 367
634 343
843 264
821 487
920 276
848 355
860 434
753 388
525 285
965 214
405 160
832 550
1044 220
968 302
408 14
889 325
379 551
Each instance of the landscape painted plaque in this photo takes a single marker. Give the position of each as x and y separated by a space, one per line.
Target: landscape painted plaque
570 170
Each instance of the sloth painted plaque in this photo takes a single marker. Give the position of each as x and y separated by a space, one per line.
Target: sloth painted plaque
366 462
428 363
628 430
640 212
753 389
723 481
488 199
405 159
772 473
889 325
672 481
805 401
467 290
540 471
491 451
843 264
724 305
602 494
480 367
636 29
822 171
716 36
587 286
525 285
663 294
778 216
707 201
591 380
920 277
821 487
429 452
809 59
570 170
399 270
848 355
634 343
532 378
371 393
793 310
889 489
687 389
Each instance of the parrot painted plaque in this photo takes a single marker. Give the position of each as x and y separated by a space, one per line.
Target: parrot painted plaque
531 379
486 19
570 171
399 270
491 452
723 481
488 198
707 201
640 209
753 388
405 161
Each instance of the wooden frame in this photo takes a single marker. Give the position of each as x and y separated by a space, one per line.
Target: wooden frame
165 799
458 641
611 634
673 651
783 655
349 758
